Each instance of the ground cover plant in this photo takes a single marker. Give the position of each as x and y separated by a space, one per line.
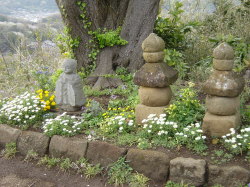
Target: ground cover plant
109 114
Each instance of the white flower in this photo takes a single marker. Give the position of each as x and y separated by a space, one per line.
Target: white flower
175 126
149 131
120 128
197 125
234 146
198 138
204 137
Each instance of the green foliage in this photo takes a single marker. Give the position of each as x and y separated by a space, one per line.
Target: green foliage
93 114
66 43
172 184
172 30
49 162
186 109
31 155
62 125
23 111
127 139
176 59
138 180
108 38
238 143
119 172
45 79
65 164
92 170
10 150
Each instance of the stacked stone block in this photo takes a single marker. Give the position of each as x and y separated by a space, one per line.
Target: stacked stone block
154 79
223 89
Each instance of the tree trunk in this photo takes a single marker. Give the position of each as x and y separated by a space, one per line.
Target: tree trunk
137 19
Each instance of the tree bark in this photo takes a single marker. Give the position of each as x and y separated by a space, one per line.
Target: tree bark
137 18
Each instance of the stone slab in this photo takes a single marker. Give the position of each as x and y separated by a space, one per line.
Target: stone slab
142 112
230 176
215 125
8 134
152 164
188 171
223 106
155 97
224 84
29 140
104 153
73 148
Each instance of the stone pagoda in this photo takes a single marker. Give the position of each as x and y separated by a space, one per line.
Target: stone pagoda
154 79
223 88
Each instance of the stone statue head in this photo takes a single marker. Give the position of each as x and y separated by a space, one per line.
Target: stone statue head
69 66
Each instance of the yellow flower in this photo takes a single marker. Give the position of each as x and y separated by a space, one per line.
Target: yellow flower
47 102
47 107
46 92
53 103
40 95
52 98
39 91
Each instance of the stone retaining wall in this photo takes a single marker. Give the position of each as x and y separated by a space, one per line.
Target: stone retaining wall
153 164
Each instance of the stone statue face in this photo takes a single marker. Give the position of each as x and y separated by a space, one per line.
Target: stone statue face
70 66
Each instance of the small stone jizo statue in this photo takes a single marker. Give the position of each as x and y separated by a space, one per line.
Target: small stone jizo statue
69 88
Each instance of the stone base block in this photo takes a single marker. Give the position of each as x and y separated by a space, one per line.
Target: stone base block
73 148
223 106
8 134
214 125
155 97
143 111
29 140
152 164
229 176
104 153
188 171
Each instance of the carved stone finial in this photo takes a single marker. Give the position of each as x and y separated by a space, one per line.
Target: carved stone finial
153 43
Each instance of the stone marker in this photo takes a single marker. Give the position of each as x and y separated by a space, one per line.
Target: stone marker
69 88
223 88
154 79
188 171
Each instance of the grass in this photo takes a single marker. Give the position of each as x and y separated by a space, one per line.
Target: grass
10 150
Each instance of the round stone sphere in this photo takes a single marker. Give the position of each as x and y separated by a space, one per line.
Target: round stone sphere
153 43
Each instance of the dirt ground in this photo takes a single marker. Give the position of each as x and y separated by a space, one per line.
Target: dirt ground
17 173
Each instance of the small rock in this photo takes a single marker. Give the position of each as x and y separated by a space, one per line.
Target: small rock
155 97
188 171
153 43
154 57
230 176
223 52
223 106
223 65
142 112
103 153
29 140
155 75
73 148
215 125
152 164
224 83
8 134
